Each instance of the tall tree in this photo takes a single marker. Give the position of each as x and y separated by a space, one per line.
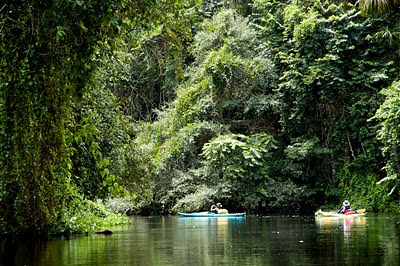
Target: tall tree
379 6
46 49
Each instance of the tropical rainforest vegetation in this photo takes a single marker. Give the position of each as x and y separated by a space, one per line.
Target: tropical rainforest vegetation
154 107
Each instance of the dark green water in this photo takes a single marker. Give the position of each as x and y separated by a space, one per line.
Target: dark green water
170 240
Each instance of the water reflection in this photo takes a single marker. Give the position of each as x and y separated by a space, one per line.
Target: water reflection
217 227
208 237
367 240
349 225
172 240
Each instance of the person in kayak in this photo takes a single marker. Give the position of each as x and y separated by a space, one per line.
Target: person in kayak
217 208
220 210
214 208
345 209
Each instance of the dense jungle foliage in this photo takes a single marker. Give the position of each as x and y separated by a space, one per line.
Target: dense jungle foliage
124 106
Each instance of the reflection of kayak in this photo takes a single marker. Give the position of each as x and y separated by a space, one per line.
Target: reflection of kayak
210 214
358 213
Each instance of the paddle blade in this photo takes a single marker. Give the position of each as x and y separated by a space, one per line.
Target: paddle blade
361 211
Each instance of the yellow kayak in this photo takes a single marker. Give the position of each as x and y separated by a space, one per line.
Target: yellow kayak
358 213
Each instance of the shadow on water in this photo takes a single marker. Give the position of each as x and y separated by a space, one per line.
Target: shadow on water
173 240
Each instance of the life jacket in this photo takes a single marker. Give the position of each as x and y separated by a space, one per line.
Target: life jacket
348 212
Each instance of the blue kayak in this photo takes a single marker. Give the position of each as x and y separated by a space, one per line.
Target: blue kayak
210 214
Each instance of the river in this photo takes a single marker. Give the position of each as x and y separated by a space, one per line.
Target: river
267 240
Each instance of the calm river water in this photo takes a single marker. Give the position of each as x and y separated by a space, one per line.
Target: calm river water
171 240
